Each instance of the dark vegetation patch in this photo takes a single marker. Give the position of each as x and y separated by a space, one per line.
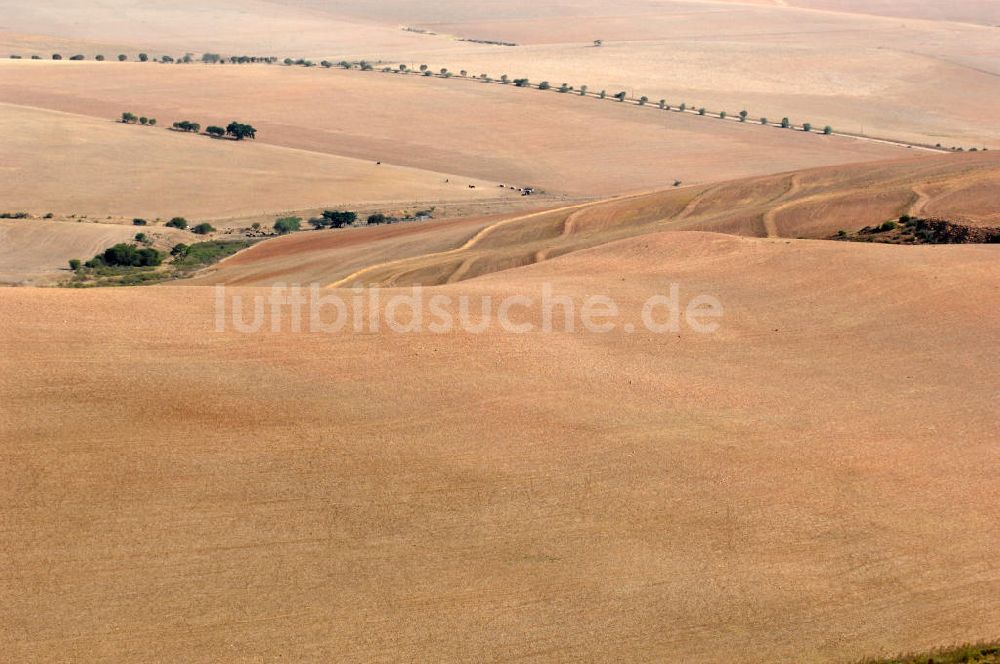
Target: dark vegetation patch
980 653
914 230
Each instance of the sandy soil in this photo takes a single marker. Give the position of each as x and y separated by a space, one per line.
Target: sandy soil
581 146
813 482
809 204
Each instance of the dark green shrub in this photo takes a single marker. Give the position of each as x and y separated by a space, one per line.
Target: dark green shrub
203 228
177 222
139 222
287 225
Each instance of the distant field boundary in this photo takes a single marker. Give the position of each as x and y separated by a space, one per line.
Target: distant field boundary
382 66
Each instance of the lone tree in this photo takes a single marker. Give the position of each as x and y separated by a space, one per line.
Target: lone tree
56 56
743 116
144 120
785 123
544 85
642 100
339 219
122 57
99 58
702 111
143 57
203 228
723 115
663 104
807 127
620 96
583 90
77 58
177 222
827 130
240 131
763 121
598 43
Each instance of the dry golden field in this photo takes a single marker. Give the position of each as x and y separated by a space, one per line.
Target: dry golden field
815 482
807 204
812 480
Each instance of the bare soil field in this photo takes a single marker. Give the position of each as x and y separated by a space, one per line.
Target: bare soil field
813 482
810 204
561 143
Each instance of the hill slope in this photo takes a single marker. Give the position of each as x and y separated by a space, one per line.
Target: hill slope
813 482
810 204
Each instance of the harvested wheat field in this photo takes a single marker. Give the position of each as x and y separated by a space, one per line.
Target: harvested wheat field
808 204
813 482
578 146
548 331
35 251
75 164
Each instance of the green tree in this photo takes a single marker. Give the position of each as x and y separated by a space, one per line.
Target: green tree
723 115
827 130
807 127
620 96
544 85
376 219
702 111
643 100
144 120
339 219
603 94
129 118
122 57
77 58
141 237
56 56
74 264
143 57
785 123
763 121
177 222
504 79
99 58
179 250
240 131
662 104
203 228
286 225
583 90
743 116
139 222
